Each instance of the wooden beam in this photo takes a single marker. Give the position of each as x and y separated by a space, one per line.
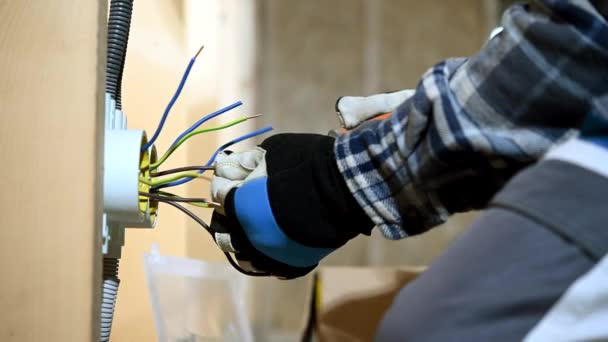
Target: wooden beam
51 132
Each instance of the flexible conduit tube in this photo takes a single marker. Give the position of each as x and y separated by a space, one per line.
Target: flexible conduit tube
108 298
119 23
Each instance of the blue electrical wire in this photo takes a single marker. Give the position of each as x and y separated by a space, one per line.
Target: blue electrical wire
207 118
237 140
220 149
204 119
172 102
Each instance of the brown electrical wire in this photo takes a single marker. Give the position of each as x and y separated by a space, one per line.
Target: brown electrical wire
245 272
207 228
180 199
189 213
181 169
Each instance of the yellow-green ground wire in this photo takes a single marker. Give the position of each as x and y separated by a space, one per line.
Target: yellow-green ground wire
174 147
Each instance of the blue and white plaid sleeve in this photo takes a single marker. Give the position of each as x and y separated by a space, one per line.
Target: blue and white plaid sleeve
473 123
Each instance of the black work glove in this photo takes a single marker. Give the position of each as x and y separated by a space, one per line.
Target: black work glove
285 205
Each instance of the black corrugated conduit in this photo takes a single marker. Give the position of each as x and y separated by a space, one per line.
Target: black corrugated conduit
119 23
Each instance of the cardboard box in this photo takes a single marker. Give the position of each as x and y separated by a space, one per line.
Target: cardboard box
349 302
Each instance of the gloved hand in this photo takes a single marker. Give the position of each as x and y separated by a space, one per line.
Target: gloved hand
354 110
285 205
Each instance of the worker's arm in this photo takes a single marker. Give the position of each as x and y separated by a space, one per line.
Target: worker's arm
469 126
472 123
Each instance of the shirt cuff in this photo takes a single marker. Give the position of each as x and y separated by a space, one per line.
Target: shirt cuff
385 192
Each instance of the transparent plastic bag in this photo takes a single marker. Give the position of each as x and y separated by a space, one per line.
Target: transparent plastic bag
196 301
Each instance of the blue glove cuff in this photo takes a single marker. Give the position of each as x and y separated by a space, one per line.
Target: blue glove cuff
599 141
253 212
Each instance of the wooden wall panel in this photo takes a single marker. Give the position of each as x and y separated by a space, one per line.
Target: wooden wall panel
51 129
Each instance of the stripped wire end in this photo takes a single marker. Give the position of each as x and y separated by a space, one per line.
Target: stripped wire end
254 116
213 205
199 51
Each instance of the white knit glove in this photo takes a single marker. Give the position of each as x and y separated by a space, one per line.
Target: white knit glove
232 170
354 110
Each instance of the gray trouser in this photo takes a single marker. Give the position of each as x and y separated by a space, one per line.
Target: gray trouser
541 232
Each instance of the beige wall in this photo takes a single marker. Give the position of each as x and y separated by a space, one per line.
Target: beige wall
51 134
312 52
289 60
156 58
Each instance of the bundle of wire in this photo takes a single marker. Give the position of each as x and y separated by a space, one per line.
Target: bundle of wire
182 175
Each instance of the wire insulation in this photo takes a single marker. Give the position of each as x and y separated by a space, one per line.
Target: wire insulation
175 146
238 140
220 149
207 118
245 272
176 198
174 178
181 169
180 87
189 213
207 228
200 205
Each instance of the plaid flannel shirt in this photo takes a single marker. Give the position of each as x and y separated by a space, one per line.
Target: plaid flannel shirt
473 123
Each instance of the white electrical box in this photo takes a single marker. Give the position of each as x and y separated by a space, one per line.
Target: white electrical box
124 165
